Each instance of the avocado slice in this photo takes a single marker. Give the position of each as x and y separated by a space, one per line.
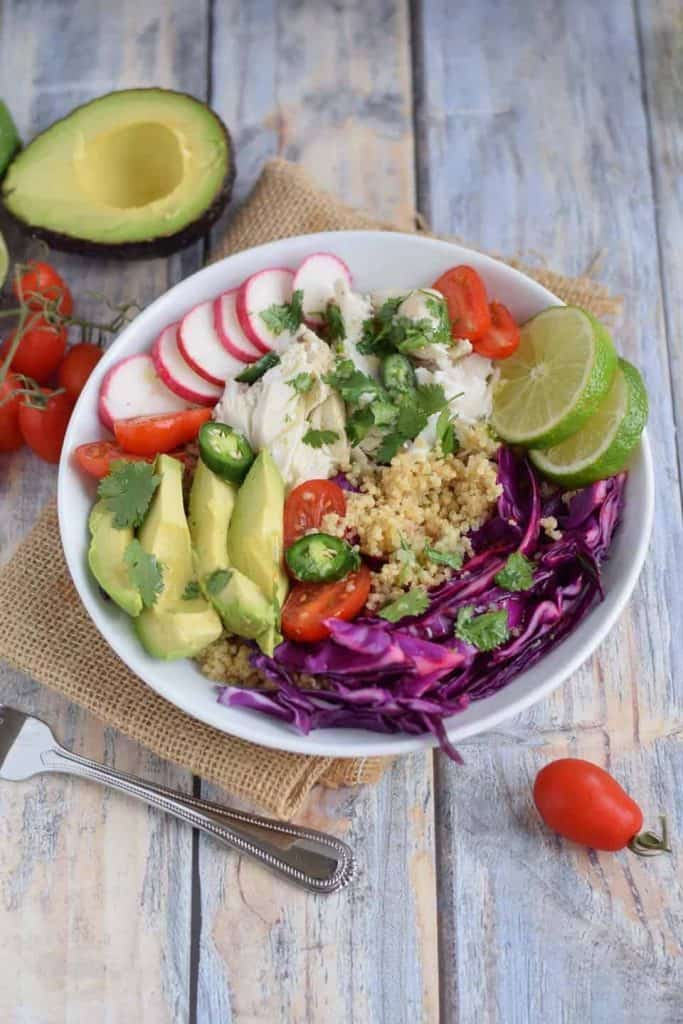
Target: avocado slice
255 536
9 137
134 173
239 602
105 557
173 627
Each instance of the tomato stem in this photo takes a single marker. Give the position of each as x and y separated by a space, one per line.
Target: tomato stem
649 844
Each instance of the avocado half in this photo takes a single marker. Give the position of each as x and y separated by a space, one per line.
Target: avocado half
132 174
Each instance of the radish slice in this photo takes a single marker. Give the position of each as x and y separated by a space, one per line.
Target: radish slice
177 375
230 331
133 388
316 278
201 348
255 295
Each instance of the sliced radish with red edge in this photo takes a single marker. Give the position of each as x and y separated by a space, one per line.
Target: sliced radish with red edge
316 278
257 294
201 347
134 388
230 330
177 375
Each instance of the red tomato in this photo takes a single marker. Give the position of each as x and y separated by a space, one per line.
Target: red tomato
44 426
42 279
502 337
10 401
148 435
583 803
96 458
468 305
306 506
40 349
309 604
76 367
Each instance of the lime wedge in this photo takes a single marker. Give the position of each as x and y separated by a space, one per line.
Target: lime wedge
4 260
556 379
603 446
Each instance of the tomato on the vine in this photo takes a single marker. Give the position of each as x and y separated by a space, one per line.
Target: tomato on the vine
41 279
76 367
43 420
10 400
40 350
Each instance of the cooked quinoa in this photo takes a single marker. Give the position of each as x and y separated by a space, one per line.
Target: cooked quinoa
227 661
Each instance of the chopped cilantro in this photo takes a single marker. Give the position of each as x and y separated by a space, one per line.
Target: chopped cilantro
317 438
517 573
127 492
358 424
414 411
191 591
390 331
486 631
285 317
453 559
217 580
407 557
334 322
302 383
351 383
375 339
445 433
413 603
145 572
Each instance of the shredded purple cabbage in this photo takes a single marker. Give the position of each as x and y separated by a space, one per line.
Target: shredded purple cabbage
410 676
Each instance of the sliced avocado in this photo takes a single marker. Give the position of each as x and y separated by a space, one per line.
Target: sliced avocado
9 137
135 173
255 536
239 602
105 557
173 627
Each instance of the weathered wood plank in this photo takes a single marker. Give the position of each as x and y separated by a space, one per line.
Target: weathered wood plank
95 908
328 86
540 146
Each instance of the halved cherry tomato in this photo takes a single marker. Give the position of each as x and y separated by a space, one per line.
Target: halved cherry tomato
468 305
502 337
96 458
306 506
42 279
584 803
40 349
44 426
76 367
11 439
148 435
310 604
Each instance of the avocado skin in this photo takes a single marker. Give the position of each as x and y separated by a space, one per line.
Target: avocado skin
162 245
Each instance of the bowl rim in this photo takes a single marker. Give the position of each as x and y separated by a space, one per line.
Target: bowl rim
360 742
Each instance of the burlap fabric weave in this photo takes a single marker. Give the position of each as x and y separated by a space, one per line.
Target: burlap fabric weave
46 633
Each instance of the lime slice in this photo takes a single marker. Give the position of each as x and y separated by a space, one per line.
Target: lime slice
556 379
4 260
603 446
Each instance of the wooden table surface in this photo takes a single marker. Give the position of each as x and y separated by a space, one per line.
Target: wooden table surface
544 129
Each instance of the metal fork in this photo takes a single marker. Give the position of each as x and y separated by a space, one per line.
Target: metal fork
319 862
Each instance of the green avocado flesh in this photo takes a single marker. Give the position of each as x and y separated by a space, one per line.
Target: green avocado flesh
105 557
9 139
240 603
136 172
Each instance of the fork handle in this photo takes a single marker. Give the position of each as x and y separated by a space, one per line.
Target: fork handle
319 862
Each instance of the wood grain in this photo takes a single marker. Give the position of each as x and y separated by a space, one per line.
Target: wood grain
541 146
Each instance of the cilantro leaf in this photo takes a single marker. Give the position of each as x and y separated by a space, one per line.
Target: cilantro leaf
334 322
486 631
127 492
145 572
384 412
431 398
358 424
390 331
407 557
302 383
445 433
217 580
317 438
517 573
453 559
390 446
285 317
375 339
191 591
413 603
351 383
414 410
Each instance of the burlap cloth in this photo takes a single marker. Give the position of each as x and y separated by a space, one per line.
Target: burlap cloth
46 633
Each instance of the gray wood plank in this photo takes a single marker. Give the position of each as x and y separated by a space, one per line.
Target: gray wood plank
96 891
540 146
328 86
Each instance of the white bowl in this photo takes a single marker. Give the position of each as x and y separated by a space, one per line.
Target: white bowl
377 260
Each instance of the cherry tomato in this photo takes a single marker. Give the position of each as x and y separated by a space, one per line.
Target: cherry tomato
96 458
582 802
10 401
42 279
43 427
306 506
502 337
40 349
148 435
76 367
468 305
309 604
